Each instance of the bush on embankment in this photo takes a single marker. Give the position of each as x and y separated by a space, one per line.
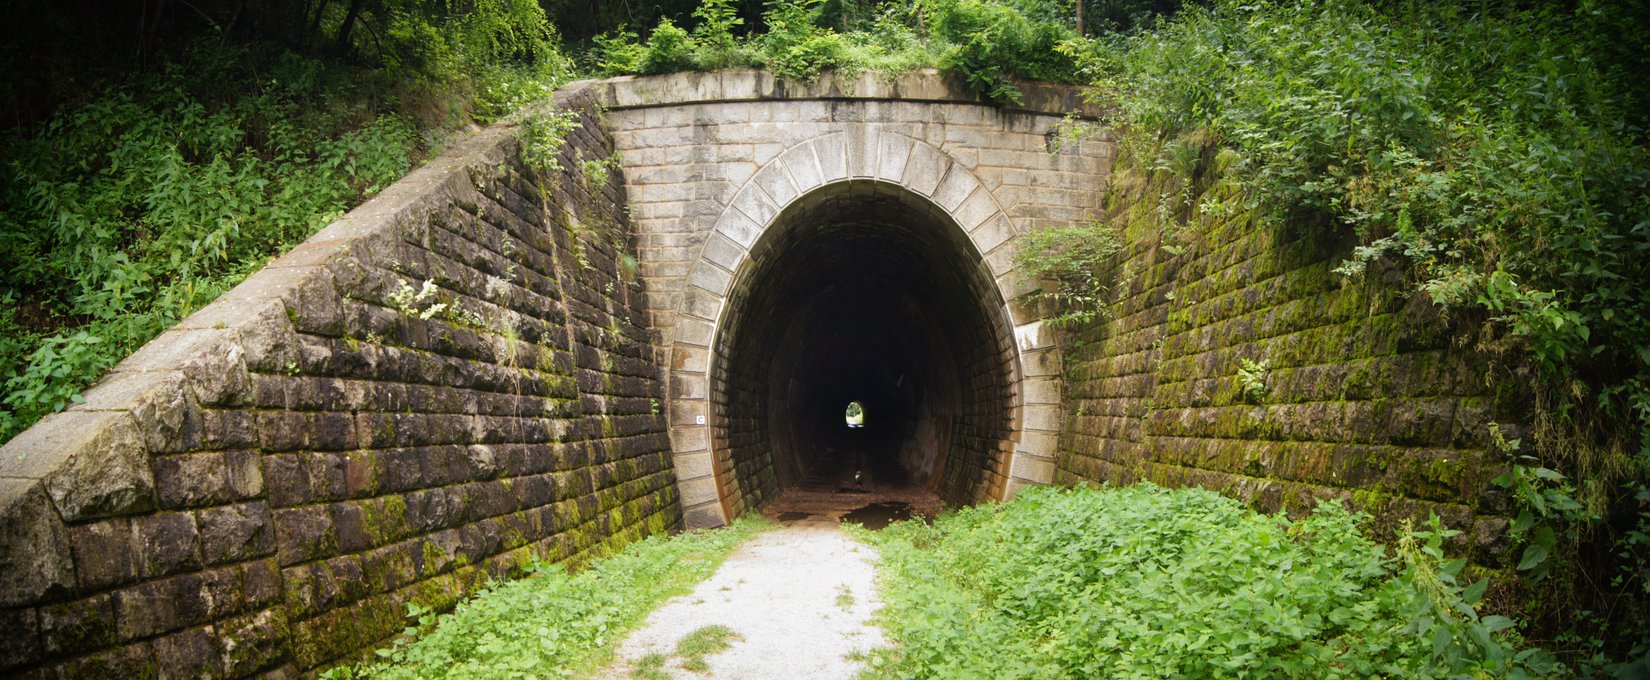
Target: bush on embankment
988 43
152 190
1490 157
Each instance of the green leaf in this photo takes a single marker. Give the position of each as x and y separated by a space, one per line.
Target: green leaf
1475 592
1534 554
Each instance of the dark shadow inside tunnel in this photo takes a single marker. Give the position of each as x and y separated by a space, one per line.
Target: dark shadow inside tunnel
863 293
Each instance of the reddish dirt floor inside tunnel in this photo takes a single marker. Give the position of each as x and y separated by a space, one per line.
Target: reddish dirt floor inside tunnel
863 293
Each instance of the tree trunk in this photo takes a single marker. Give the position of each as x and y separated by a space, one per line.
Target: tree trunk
314 24
349 25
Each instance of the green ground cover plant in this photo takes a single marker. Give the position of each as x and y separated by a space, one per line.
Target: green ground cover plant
1143 581
140 200
552 623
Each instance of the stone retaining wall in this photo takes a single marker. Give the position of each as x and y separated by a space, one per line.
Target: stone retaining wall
267 486
1370 396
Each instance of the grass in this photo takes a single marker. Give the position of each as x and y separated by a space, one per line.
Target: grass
703 642
691 649
650 667
554 623
844 598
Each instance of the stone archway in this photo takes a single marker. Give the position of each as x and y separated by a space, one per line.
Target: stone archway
850 180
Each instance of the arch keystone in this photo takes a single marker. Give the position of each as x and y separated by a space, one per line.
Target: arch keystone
925 168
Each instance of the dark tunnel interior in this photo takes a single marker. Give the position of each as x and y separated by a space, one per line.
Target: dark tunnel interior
864 292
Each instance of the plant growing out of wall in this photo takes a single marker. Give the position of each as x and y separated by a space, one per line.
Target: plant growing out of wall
1545 499
411 302
543 136
1251 377
1075 268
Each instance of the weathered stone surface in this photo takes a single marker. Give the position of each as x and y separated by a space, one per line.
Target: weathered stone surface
20 645
94 463
236 532
78 626
105 553
135 661
304 533
167 543
35 558
191 480
252 643
189 654
160 400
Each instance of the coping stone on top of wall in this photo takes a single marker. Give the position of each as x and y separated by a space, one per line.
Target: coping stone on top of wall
737 85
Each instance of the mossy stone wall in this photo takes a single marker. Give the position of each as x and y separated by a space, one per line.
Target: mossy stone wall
267 487
1370 395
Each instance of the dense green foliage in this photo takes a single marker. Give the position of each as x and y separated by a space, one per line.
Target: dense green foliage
552 623
1496 156
1496 152
1499 155
1148 582
989 43
122 214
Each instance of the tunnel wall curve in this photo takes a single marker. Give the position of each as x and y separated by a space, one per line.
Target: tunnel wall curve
265 488
853 276
713 159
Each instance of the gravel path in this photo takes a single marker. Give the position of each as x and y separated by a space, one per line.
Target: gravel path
800 599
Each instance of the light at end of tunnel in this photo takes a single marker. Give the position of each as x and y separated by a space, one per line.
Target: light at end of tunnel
856 414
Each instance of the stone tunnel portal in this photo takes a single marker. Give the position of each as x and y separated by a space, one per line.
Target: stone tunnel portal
864 292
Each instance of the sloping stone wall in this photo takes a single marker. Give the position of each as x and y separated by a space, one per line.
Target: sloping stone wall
1370 396
268 485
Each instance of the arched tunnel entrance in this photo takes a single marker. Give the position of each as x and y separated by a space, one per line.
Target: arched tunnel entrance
862 292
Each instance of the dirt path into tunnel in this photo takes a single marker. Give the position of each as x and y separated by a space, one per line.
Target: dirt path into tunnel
798 600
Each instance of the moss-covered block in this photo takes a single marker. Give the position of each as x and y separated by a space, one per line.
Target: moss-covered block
1371 397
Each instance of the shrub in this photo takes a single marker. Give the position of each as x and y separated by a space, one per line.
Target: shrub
990 42
714 37
796 45
668 49
619 52
1148 582
126 212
